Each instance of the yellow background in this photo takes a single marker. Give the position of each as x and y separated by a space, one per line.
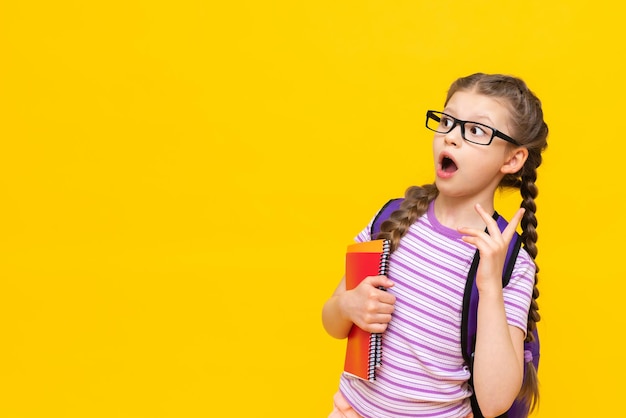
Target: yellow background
179 181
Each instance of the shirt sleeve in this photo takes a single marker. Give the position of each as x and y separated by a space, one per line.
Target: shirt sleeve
518 293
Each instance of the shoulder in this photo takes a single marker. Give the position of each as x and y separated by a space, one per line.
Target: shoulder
388 208
381 215
384 213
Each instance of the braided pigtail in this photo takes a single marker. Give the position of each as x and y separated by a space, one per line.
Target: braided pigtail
414 205
529 392
529 192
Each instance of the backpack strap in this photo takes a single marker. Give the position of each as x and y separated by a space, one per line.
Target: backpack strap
469 319
383 214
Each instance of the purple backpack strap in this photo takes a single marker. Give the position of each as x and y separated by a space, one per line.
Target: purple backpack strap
383 214
470 305
469 320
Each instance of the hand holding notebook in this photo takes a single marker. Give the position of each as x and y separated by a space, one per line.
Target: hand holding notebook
371 306
364 349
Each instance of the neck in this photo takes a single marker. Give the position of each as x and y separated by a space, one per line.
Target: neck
456 212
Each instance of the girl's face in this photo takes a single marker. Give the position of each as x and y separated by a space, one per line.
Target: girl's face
465 169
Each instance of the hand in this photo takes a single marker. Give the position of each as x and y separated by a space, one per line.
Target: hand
369 307
492 247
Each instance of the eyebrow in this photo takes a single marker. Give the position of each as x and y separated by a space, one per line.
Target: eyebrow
477 118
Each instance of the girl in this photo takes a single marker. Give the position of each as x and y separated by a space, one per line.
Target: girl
490 134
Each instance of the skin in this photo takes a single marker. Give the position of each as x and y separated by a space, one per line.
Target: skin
465 202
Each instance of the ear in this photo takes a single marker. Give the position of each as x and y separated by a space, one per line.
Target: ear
514 161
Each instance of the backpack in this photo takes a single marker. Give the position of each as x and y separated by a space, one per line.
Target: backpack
470 307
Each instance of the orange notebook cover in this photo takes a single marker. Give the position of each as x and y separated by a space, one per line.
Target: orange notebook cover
364 349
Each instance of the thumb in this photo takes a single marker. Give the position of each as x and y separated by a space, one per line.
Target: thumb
380 281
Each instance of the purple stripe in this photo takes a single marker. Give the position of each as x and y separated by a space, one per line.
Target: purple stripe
415 414
411 356
424 347
456 389
429 243
415 290
441 268
437 391
428 296
426 330
434 412
521 291
514 305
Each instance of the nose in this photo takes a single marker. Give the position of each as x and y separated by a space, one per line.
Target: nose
455 136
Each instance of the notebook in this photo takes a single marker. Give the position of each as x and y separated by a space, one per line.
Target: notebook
364 349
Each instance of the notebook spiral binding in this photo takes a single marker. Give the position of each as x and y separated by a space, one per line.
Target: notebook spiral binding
376 339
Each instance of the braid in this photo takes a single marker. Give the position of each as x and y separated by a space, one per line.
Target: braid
529 192
529 392
414 205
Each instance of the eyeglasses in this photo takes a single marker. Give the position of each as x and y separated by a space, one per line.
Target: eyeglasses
474 132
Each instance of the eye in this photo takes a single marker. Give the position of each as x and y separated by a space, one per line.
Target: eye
446 121
476 130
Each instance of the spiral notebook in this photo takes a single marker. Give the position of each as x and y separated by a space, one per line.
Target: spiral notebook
364 349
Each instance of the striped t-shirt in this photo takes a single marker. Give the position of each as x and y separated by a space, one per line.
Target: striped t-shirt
423 372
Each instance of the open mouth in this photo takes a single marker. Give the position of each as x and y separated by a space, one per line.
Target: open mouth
448 165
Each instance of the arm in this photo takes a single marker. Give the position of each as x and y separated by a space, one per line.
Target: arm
366 306
499 352
499 356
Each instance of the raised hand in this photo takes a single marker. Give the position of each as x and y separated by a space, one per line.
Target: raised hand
492 247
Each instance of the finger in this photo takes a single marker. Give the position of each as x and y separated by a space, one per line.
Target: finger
382 319
380 281
473 236
483 214
510 229
486 217
387 299
483 242
471 232
378 317
492 225
377 328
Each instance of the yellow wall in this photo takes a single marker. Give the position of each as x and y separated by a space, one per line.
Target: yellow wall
178 181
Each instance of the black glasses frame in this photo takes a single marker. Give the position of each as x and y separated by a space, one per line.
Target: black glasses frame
434 115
